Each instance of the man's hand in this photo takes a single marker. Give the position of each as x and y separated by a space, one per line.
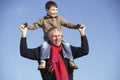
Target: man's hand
82 30
23 30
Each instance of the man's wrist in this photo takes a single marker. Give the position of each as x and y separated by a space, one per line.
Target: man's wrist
23 35
82 33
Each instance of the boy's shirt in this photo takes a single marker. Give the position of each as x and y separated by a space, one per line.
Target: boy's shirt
48 22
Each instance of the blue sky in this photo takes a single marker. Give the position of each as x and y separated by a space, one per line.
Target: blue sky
102 20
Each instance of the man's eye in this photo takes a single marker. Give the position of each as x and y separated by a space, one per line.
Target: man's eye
59 35
53 36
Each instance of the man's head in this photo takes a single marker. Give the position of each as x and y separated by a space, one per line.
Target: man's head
51 8
55 36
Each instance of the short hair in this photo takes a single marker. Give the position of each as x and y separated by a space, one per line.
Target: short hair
51 29
49 4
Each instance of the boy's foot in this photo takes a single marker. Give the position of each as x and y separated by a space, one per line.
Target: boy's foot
41 66
73 65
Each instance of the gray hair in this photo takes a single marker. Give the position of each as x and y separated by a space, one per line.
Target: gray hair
51 29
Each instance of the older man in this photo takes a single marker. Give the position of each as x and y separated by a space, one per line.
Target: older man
57 64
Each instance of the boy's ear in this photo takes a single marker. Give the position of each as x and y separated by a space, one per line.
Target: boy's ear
46 10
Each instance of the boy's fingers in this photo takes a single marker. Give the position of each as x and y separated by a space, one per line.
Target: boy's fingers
25 24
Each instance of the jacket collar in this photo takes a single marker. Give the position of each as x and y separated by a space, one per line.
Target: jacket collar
48 16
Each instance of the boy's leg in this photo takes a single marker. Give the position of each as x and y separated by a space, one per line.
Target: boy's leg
42 64
45 50
44 54
72 64
68 54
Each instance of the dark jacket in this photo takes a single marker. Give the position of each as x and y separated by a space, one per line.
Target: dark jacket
34 54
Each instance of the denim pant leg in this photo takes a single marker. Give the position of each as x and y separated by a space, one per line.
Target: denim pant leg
45 50
67 50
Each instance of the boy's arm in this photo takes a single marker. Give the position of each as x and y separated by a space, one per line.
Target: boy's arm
35 25
68 24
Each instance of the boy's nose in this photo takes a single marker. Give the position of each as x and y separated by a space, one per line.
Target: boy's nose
56 11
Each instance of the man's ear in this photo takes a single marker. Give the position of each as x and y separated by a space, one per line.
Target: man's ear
49 38
62 36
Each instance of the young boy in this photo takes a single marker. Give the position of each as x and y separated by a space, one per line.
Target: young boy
46 23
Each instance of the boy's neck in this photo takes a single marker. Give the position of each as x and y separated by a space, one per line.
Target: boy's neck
50 16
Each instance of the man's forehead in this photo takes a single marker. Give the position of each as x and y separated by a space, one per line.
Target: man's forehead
55 31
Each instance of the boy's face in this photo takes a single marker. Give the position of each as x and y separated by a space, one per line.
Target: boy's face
52 11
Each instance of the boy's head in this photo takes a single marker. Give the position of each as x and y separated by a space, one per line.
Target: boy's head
51 8
49 4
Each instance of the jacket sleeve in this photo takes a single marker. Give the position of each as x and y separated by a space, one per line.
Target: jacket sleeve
35 25
67 24
28 53
81 51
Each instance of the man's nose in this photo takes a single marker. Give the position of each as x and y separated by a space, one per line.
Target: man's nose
57 37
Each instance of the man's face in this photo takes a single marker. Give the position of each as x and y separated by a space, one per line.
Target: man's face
52 11
55 38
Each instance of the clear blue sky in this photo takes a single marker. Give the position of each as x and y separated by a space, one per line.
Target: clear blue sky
102 20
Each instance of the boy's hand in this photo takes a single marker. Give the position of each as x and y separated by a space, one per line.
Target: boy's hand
25 24
79 26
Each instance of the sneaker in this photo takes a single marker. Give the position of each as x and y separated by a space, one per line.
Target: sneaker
72 64
42 65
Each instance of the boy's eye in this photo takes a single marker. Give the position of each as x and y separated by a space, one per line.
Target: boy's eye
53 10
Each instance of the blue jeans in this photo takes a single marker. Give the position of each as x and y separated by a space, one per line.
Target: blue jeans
45 50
